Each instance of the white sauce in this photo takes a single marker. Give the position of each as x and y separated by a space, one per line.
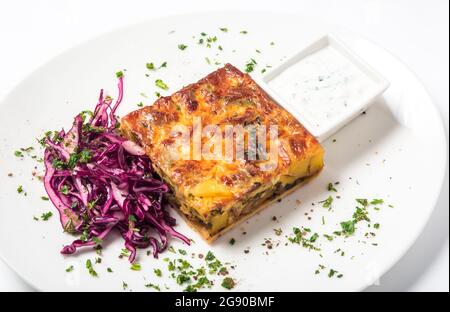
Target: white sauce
323 85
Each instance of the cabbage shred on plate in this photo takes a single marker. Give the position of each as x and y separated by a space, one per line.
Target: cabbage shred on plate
99 181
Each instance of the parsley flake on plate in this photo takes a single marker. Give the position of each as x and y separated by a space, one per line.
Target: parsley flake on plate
250 65
70 269
135 267
228 283
161 84
46 215
90 268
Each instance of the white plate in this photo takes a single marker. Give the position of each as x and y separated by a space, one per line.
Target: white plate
396 151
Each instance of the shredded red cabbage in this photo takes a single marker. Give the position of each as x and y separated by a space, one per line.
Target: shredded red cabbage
100 181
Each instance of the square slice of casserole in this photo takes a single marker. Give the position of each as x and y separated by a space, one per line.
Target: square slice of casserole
215 194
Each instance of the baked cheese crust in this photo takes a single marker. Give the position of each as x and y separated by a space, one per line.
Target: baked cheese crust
213 195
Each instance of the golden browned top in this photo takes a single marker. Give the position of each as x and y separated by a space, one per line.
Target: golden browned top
224 97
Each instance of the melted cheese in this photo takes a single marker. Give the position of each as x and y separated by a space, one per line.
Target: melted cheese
217 192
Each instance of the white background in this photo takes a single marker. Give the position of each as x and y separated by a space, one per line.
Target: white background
32 32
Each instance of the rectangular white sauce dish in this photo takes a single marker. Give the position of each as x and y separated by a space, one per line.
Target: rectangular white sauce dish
325 85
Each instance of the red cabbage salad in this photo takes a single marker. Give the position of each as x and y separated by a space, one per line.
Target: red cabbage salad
101 182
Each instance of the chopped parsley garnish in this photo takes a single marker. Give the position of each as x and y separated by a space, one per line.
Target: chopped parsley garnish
210 256
27 149
300 238
214 266
360 214
377 202
224 29
278 232
157 272
150 66
97 240
250 66
140 104
163 65
314 237
150 285
70 268
98 249
84 235
194 278
319 269
135 267
348 227
124 285
160 84
228 283
91 203
20 189
18 154
332 273
109 270
363 201
119 74
182 252
90 268
331 187
183 278
232 241
244 32
190 288
46 215
210 40
86 113
182 47
124 253
64 190
84 156
327 202
171 249
184 265
72 161
55 137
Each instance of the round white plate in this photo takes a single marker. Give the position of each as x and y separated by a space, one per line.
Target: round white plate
396 152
